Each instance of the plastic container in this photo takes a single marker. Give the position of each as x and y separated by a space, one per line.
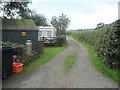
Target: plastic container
17 67
28 47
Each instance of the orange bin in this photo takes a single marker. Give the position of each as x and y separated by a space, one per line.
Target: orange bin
17 67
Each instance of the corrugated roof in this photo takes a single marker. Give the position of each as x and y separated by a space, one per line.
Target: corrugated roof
18 24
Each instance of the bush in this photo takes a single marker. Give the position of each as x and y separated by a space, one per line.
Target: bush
61 40
106 41
28 58
18 49
20 55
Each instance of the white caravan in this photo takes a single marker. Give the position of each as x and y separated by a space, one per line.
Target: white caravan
47 32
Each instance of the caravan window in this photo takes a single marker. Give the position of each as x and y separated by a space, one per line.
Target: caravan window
40 33
49 33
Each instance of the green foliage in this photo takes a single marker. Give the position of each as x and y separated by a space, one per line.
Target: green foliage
58 41
8 43
38 19
61 40
20 53
26 59
100 66
18 49
61 24
106 41
11 9
69 61
55 23
21 9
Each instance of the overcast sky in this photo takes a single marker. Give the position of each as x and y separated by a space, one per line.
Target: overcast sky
82 13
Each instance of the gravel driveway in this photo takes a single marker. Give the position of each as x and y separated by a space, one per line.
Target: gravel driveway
54 75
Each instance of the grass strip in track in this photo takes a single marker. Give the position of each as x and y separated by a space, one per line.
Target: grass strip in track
69 61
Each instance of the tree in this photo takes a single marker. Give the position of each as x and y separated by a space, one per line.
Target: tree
61 24
38 19
55 23
11 8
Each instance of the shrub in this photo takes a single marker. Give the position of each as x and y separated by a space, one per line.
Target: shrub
61 40
20 53
18 49
106 41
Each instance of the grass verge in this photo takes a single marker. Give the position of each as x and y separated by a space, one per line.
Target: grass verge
49 53
97 62
69 61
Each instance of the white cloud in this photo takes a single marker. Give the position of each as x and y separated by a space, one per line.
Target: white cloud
106 14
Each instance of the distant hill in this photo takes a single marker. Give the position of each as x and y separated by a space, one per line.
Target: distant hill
71 30
79 30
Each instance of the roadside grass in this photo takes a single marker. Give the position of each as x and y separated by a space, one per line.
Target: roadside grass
99 65
49 53
69 61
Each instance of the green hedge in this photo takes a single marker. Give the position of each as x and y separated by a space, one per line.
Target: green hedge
61 40
18 48
106 41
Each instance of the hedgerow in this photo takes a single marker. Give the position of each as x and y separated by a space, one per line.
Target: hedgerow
106 41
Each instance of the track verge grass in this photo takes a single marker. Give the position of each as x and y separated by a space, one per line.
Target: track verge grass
97 62
49 53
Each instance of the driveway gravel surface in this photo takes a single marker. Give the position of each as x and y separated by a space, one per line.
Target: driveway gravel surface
54 75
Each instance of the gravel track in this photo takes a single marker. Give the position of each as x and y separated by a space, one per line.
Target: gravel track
54 75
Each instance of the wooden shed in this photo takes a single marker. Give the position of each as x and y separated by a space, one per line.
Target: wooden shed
19 31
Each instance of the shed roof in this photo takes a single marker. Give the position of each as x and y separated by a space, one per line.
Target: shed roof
18 24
